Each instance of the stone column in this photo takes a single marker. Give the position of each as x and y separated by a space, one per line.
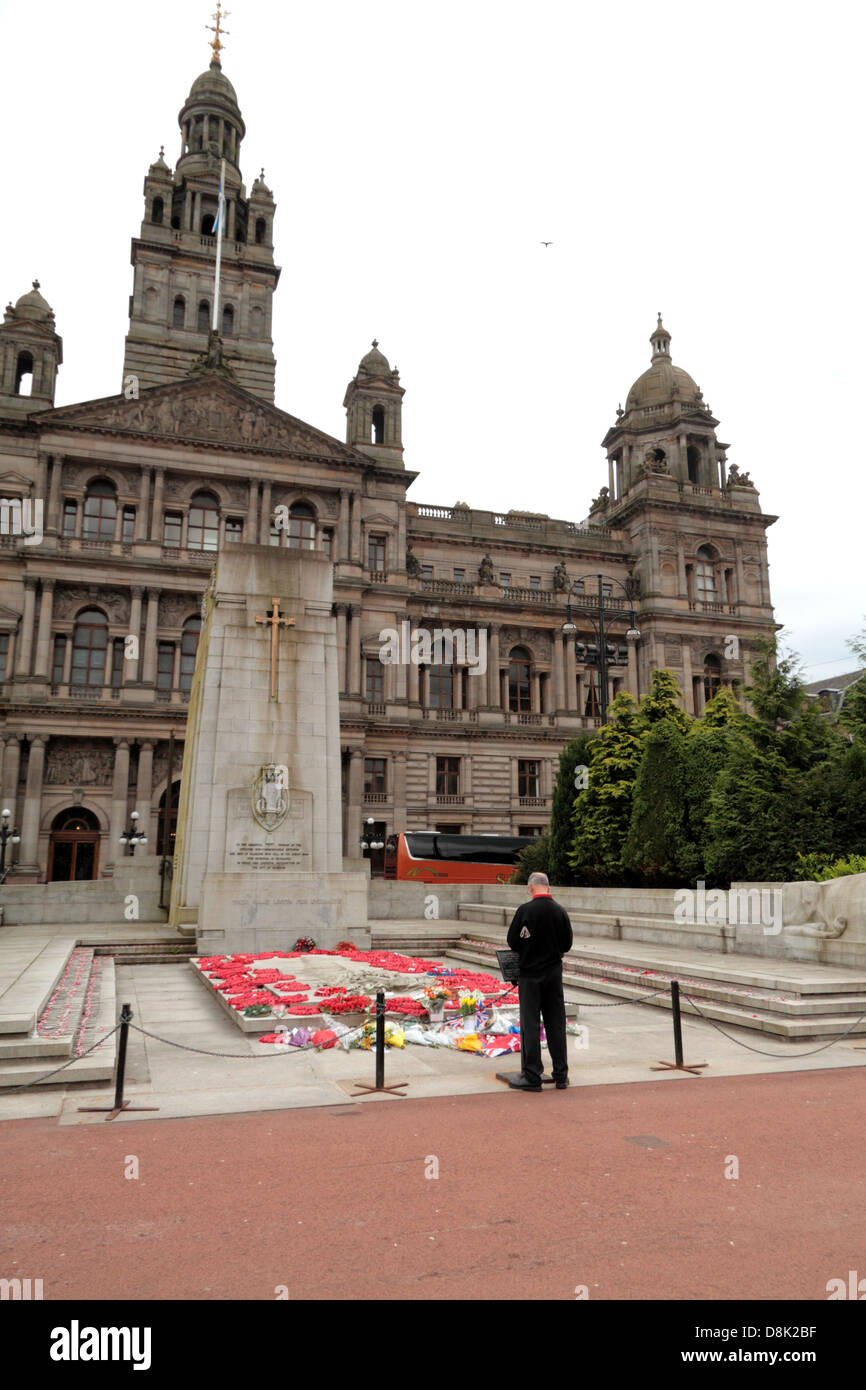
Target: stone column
503 689
144 789
140 533
25 644
11 772
265 518
119 800
558 673
356 802
536 691
196 212
399 562
355 529
341 645
688 688
466 777
354 615
156 526
29 853
148 676
399 791
493 689
131 664
431 777
250 529
342 548
414 683
54 519
682 578
43 641
610 484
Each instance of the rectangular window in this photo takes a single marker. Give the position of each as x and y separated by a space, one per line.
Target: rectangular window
440 687
535 830
577 586
426 571
127 530
4 654
274 537
374 776
234 528
527 777
459 576
504 579
70 511
164 666
375 681
59 659
117 663
607 590
172 527
447 776
328 543
448 829
535 581
376 553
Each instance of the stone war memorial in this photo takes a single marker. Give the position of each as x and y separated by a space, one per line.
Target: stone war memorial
258 856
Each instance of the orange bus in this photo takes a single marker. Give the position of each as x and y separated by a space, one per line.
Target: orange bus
426 856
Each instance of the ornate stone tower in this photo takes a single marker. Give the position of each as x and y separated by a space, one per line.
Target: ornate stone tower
374 404
174 257
30 353
694 527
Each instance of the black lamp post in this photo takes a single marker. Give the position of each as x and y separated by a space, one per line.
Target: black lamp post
7 837
368 840
602 616
133 836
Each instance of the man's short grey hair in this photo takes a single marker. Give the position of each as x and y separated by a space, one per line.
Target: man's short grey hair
538 880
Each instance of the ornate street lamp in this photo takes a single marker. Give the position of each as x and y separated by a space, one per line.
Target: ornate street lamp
368 840
133 836
7 837
602 616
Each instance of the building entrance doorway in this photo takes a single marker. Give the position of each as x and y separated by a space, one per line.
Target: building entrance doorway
168 804
73 852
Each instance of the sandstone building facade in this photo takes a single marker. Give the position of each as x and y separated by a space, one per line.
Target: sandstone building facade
113 510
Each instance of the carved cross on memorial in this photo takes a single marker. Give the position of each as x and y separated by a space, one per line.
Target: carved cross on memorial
275 622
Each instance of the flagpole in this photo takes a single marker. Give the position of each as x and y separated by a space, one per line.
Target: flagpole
221 205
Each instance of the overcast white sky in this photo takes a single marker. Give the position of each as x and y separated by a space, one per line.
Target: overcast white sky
700 158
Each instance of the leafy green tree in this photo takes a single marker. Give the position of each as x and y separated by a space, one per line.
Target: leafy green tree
776 691
662 701
574 755
602 811
708 751
659 848
534 859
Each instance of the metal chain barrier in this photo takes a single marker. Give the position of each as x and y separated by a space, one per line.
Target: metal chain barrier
780 1056
614 1004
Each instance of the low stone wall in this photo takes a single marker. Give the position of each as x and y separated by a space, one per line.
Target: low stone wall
94 900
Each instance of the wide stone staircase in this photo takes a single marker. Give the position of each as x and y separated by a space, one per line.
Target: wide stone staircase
789 999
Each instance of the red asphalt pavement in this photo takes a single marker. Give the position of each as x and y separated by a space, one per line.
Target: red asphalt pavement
535 1195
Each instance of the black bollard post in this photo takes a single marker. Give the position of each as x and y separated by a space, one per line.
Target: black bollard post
396 1088
111 1112
678 1064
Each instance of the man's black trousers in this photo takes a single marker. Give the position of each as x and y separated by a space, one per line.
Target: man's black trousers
541 995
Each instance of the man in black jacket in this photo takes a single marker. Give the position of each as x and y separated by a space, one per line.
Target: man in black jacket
541 933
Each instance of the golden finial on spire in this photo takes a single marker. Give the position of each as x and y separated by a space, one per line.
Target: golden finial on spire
216 30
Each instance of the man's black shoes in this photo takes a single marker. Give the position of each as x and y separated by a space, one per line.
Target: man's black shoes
521 1083
561 1085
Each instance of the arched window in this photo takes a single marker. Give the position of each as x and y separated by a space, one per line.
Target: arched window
261 228
89 643
156 212
178 317
100 510
24 374
228 321
712 676
203 316
693 457
207 224
302 527
188 649
257 322
378 424
519 680
204 522
706 575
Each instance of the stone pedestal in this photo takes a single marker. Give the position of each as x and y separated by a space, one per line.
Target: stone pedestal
258 853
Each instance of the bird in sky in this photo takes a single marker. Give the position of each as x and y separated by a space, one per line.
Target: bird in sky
547 243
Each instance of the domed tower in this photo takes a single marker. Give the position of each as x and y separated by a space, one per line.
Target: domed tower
374 403
30 353
666 428
171 308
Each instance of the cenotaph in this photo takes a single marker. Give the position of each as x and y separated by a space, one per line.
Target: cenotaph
258 851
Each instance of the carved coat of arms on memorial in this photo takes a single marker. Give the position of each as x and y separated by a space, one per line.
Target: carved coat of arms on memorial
269 795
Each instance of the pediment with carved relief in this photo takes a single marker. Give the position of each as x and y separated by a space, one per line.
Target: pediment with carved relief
204 409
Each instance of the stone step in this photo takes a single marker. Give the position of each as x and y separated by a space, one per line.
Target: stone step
148 952
59 1020
99 1066
28 991
831 1023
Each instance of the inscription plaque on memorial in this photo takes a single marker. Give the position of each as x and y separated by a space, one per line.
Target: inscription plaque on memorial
249 846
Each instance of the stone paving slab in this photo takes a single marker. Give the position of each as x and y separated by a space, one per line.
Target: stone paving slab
30 981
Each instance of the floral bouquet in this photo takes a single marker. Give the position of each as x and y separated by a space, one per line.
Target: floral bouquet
469 1005
305 943
437 993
